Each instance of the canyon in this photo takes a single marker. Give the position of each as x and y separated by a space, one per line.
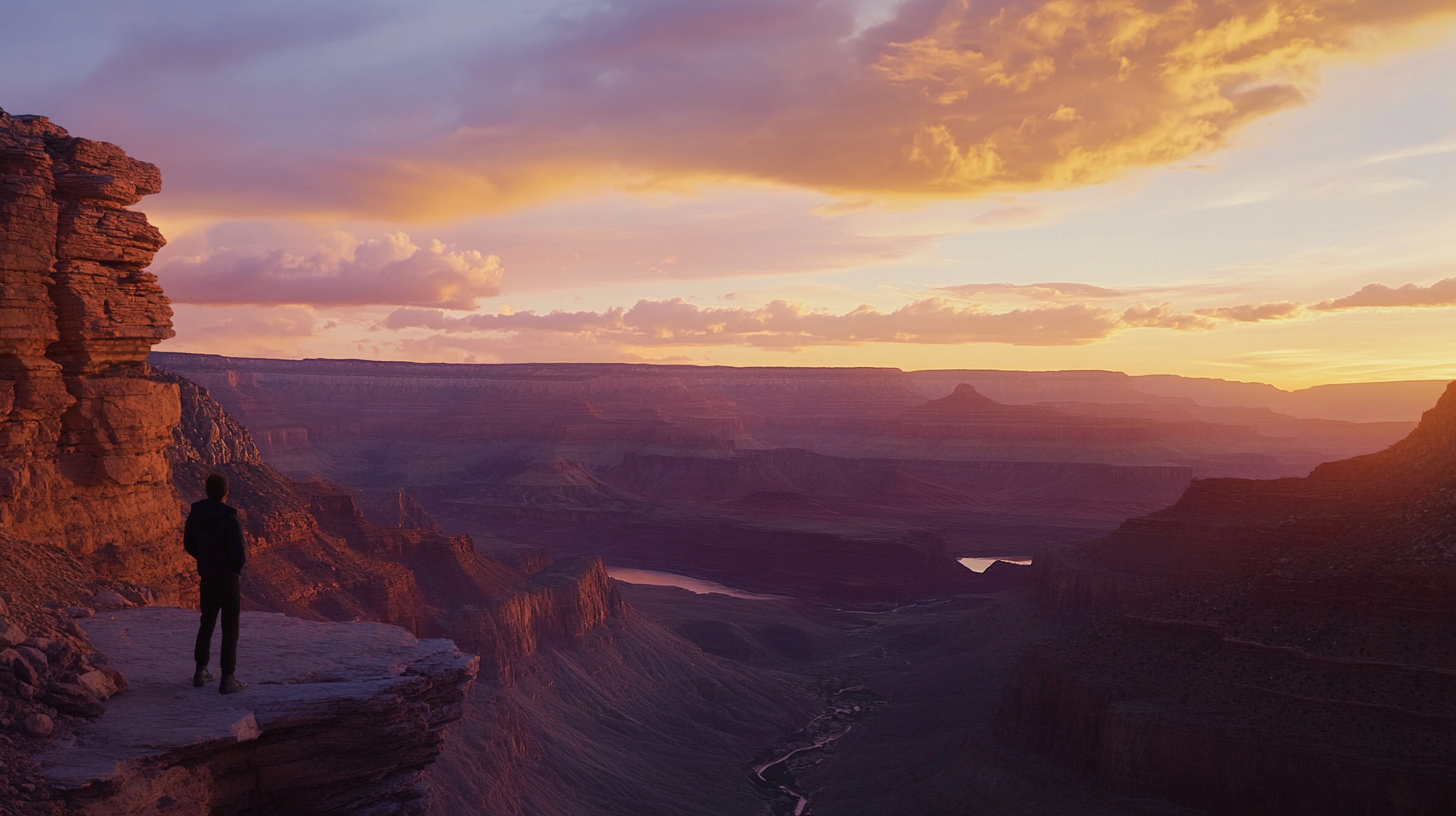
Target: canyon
104 454
798 480
1237 598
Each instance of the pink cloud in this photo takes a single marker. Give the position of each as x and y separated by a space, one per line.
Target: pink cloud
784 325
1164 316
390 270
1380 296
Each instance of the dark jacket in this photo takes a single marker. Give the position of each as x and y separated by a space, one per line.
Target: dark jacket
214 537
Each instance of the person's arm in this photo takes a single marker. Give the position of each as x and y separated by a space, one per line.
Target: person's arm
189 539
236 556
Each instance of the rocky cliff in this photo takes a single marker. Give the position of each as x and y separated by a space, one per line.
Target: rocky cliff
305 738
82 427
1265 647
89 522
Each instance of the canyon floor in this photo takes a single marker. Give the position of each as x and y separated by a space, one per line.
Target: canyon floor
916 691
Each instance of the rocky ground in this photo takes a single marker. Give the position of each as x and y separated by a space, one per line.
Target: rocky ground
338 717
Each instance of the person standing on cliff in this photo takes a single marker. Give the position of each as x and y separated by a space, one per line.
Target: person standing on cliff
214 536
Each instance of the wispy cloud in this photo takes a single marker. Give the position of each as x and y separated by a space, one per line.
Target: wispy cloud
1035 291
1418 151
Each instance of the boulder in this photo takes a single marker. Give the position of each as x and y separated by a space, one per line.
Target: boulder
12 636
38 725
111 599
98 684
19 664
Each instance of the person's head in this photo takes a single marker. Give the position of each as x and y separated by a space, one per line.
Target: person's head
216 486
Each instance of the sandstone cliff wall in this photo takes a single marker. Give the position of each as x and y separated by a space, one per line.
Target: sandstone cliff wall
82 427
1279 647
90 526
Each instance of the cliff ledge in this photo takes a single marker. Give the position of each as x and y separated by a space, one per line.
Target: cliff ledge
340 718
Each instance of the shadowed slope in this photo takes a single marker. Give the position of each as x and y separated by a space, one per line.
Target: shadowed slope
1283 647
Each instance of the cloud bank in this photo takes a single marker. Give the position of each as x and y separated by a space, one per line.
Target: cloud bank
272 109
390 270
785 325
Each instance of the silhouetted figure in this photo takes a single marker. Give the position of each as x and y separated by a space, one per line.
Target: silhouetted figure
214 537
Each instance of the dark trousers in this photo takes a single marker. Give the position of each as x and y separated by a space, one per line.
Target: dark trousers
226 597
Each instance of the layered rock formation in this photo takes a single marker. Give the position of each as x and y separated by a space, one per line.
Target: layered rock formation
91 522
583 708
314 553
339 719
82 427
783 480
1265 647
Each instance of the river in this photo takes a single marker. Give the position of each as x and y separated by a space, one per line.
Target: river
695 585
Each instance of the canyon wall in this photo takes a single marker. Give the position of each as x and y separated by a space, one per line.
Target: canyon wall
1278 647
82 427
90 528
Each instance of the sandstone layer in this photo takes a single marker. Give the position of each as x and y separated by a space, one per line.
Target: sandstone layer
82 427
339 719
89 521
1280 647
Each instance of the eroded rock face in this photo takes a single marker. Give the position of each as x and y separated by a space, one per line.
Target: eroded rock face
1279 647
340 718
82 427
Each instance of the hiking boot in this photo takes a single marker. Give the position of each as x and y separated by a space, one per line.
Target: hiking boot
201 677
230 685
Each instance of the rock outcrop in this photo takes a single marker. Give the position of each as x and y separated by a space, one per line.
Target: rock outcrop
340 718
1278 647
82 426
89 522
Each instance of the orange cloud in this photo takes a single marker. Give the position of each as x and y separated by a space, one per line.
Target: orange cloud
968 100
951 98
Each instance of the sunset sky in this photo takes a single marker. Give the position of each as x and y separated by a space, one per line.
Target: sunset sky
1235 189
